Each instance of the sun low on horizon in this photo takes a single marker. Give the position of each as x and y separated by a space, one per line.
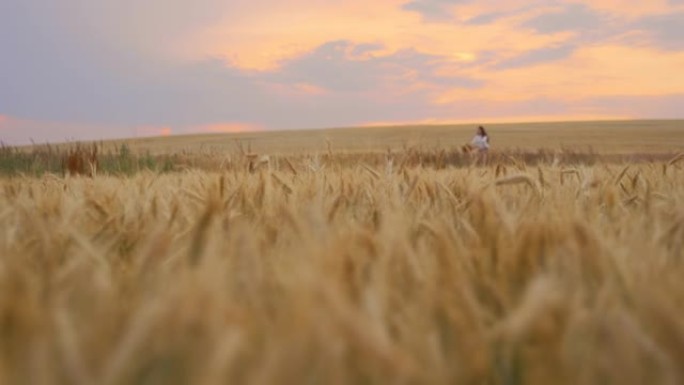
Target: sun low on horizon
77 70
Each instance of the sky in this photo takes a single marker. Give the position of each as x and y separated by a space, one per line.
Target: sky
90 70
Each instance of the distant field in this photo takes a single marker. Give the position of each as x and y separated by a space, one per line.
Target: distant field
614 137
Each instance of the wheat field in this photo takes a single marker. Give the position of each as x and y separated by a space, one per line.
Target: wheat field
322 270
607 137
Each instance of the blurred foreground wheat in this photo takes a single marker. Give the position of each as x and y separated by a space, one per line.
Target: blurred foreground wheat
345 275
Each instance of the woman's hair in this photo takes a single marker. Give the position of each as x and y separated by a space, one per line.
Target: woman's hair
481 131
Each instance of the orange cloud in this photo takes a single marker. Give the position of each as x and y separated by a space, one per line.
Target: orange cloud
262 41
494 53
268 34
504 119
592 71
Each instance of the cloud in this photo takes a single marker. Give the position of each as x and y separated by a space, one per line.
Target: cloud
74 68
336 66
332 67
75 91
111 28
433 10
661 26
590 72
338 83
626 10
487 18
538 56
570 17
666 31
366 49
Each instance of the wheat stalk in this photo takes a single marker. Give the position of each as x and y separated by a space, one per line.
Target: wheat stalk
519 179
678 158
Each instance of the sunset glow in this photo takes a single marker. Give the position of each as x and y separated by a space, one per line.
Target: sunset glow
181 67
153 131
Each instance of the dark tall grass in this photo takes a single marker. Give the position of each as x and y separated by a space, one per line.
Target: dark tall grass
79 159
99 159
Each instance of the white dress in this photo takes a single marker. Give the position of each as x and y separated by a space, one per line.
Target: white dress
481 142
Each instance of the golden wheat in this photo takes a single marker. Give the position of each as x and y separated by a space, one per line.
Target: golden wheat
327 272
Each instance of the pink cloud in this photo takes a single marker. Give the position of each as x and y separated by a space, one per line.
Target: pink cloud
22 131
144 131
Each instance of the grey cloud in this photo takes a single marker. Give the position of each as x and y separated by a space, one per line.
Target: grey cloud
174 95
538 56
362 49
487 18
100 63
52 74
60 70
78 59
55 80
330 67
574 17
55 74
116 26
433 10
667 30
589 26
424 68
